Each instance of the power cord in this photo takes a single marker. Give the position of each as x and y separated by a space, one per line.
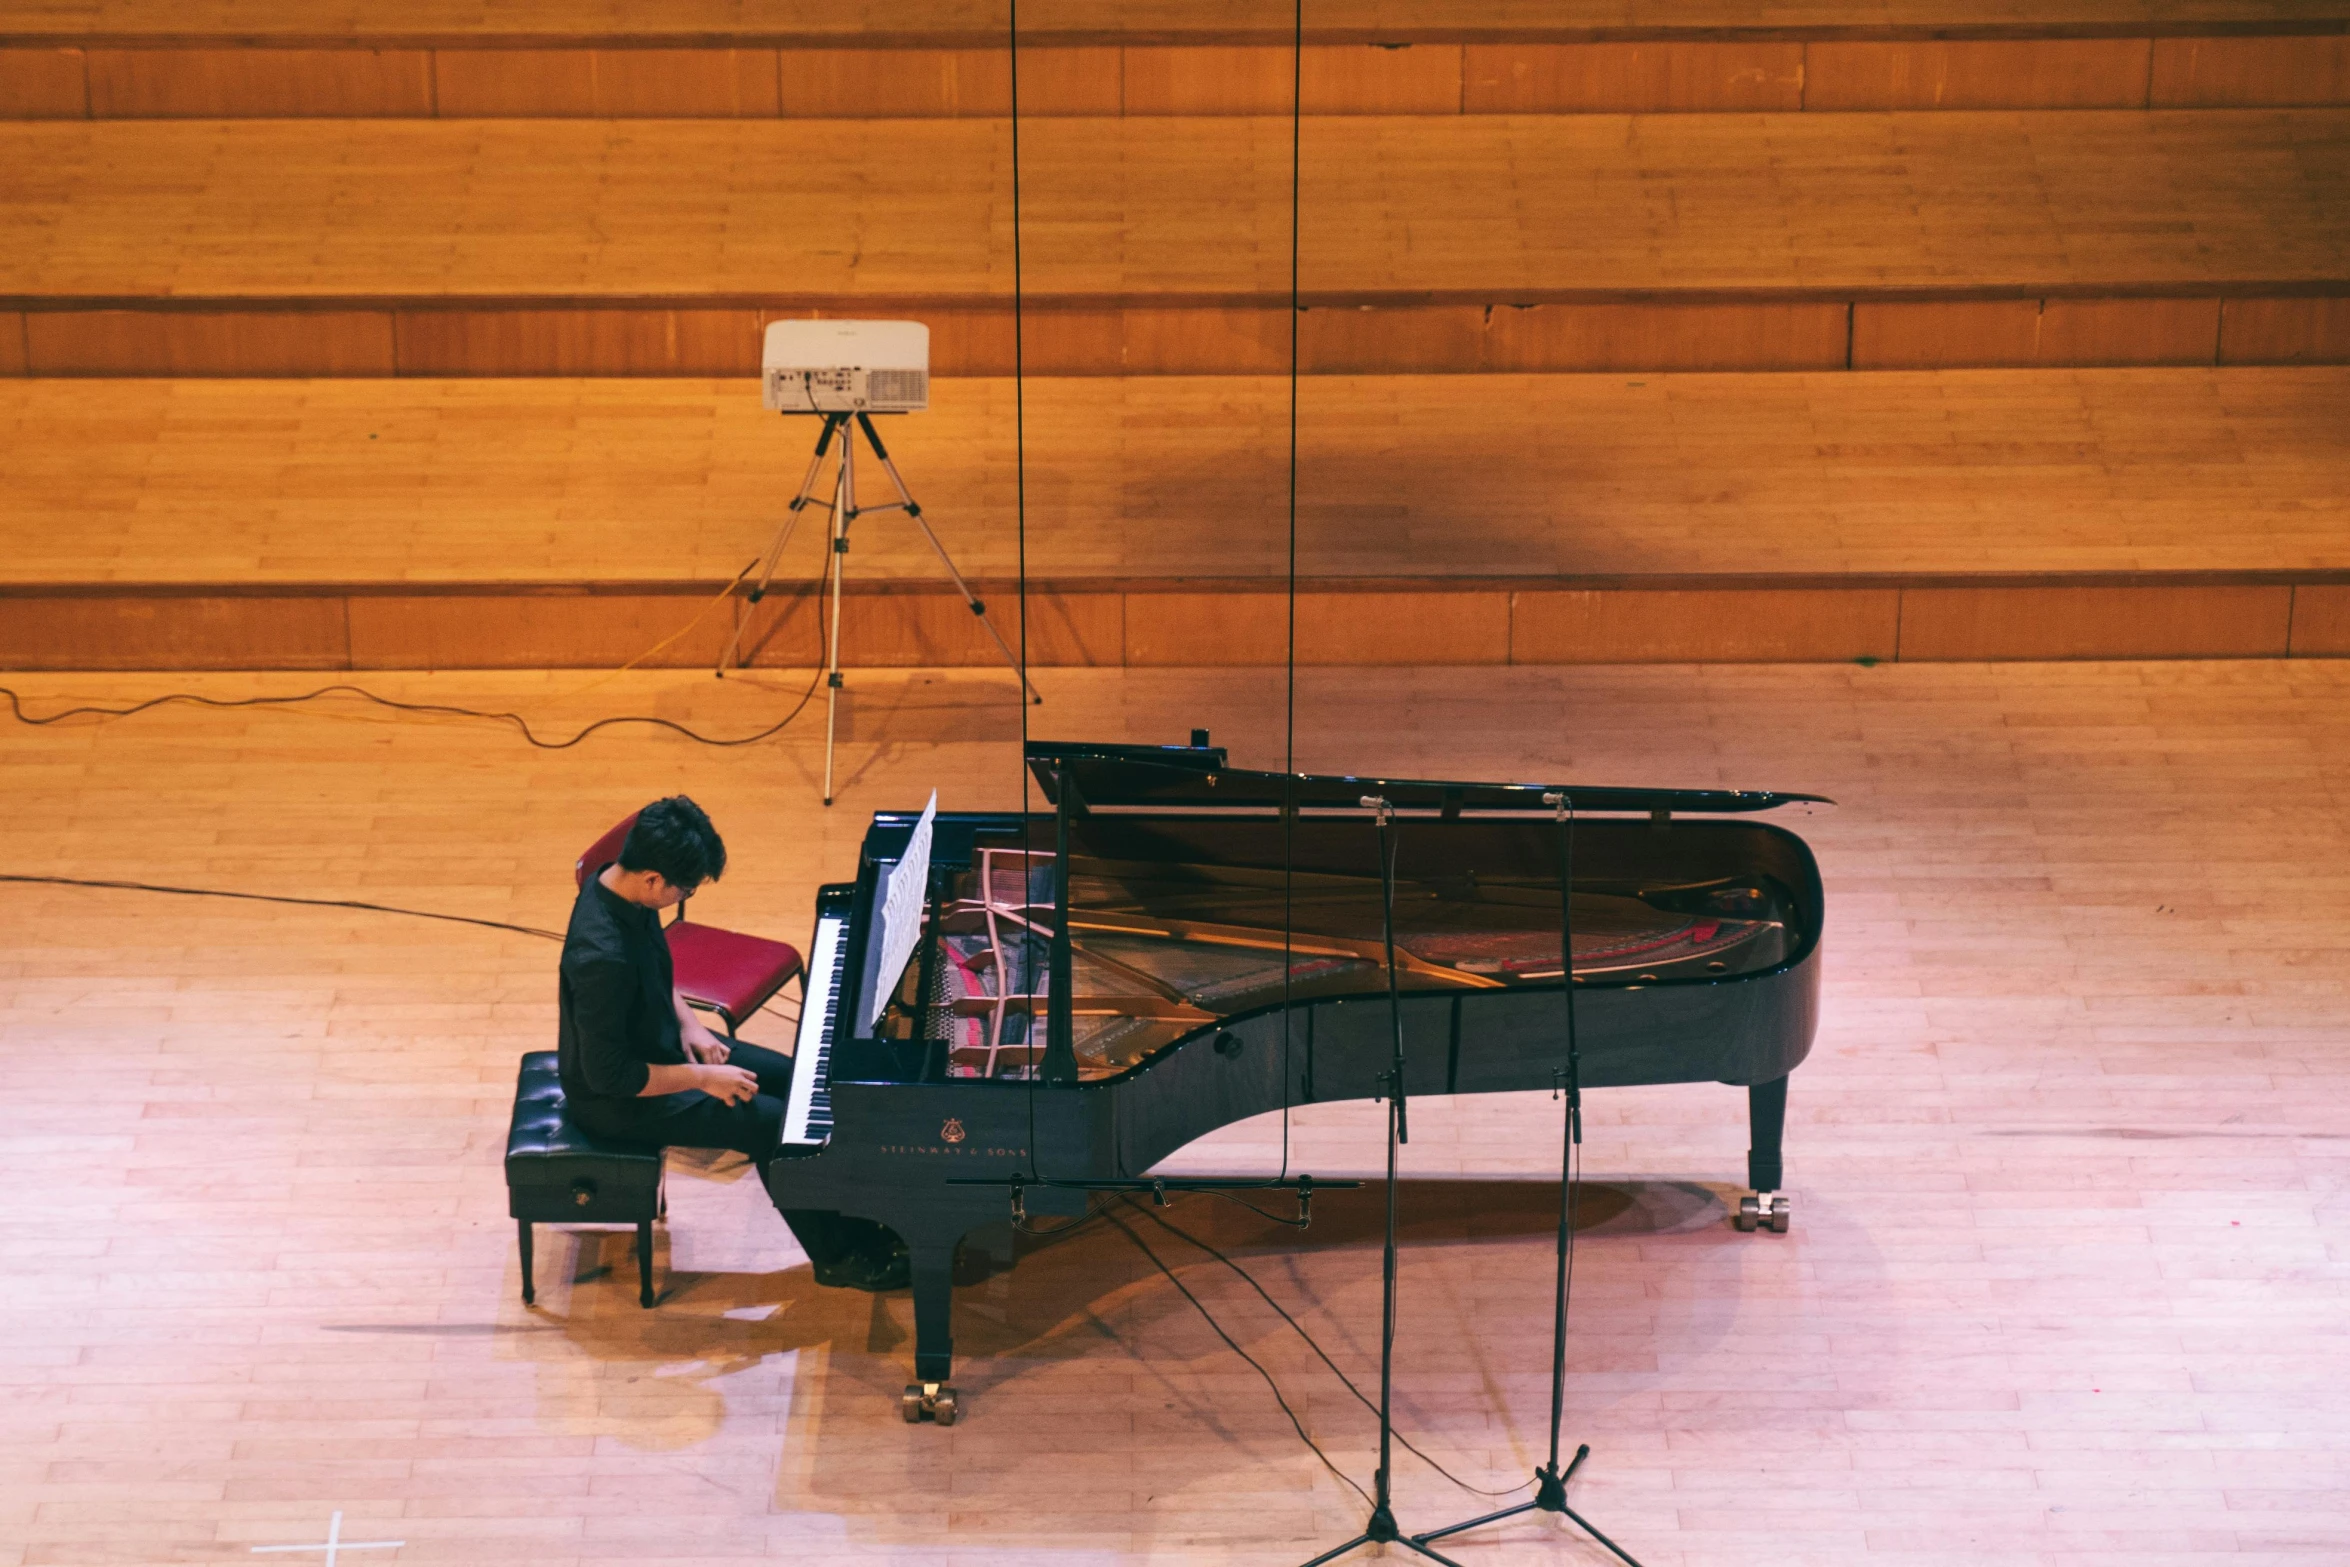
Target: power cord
1299 1328
431 709
270 897
1234 1345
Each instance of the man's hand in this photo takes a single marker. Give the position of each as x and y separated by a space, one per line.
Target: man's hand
729 1085
709 1050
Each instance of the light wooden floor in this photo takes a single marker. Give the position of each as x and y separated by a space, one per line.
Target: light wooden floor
568 18
1486 206
505 481
2066 1283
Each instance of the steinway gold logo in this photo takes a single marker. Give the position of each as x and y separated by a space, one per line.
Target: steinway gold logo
957 1146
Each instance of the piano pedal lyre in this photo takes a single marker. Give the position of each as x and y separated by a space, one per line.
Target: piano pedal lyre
930 1401
1771 1211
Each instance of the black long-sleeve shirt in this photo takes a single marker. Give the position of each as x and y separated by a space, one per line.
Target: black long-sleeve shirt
618 1001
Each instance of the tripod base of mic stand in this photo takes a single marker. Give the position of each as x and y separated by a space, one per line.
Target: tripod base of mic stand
1382 1530
1550 1496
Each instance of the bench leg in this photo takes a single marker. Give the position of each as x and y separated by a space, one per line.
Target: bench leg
529 1295
644 1265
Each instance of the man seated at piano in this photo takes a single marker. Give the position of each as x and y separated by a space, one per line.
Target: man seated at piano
638 1065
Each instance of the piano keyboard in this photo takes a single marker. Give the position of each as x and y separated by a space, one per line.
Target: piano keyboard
807 1120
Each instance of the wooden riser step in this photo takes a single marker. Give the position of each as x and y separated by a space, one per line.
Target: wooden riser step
1894 475
1431 244
1105 622
2250 324
1654 70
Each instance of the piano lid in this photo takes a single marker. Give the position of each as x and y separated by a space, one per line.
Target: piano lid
1190 780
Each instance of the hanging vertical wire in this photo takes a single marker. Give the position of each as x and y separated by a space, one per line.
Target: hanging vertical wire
1297 79
1020 525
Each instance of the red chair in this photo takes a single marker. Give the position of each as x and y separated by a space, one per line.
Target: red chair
721 971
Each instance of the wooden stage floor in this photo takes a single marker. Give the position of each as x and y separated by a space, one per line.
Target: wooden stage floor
2066 1283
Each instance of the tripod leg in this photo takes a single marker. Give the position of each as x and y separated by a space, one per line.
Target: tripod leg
763 572
1584 1524
971 600
1456 1528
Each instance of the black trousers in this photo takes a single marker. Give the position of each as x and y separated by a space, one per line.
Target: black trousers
694 1119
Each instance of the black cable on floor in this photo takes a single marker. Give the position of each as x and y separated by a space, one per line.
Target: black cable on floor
269 897
431 709
1323 1355
1232 1344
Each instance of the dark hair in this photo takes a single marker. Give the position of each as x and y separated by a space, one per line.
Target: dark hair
674 837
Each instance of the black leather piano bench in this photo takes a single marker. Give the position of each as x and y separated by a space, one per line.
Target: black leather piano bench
559 1173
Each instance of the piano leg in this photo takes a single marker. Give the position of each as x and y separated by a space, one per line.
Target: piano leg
933 1270
1766 1109
934 1308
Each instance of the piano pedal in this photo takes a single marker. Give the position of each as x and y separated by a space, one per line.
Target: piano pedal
929 1401
1771 1211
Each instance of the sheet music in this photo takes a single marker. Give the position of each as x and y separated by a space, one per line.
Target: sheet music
902 900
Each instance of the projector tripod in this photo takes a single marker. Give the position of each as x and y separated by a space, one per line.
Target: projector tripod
845 510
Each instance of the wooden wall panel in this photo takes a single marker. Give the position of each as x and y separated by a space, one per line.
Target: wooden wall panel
1376 79
1464 338
1065 630
43 84
1935 334
881 84
2207 73
553 629
1422 626
523 82
260 83
2102 622
12 360
2321 621
225 342
1074 81
1212 79
1630 78
2129 332
712 84
1239 341
2019 73
1064 341
172 631
970 340
1761 626
2285 332
1414 339
1219 630
1758 336
578 342
918 630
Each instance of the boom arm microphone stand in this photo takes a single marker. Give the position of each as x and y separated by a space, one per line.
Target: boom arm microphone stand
1550 1481
1381 1529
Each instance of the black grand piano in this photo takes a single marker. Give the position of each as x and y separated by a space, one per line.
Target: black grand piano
1071 996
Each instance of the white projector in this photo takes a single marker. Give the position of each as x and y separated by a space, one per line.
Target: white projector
846 367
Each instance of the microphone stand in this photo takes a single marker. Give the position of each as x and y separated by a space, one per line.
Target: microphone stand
1550 1481
1381 1529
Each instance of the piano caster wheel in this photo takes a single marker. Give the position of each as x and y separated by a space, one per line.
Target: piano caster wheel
1764 1211
929 1401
